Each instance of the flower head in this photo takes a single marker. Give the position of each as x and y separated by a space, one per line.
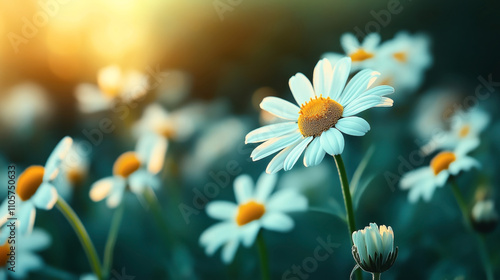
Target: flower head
255 209
363 54
35 189
326 110
484 217
136 169
374 249
423 181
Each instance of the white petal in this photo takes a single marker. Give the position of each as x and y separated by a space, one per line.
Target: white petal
332 141
314 153
280 108
333 57
301 88
294 155
467 145
26 218
151 149
349 43
56 157
385 102
229 250
340 74
361 104
275 144
270 131
322 78
441 178
157 157
45 197
265 185
116 195
38 240
357 85
217 235
101 189
371 41
464 163
287 201
277 221
243 188
355 126
221 210
276 164
249 233
413 177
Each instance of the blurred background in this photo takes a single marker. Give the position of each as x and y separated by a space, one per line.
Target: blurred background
208 65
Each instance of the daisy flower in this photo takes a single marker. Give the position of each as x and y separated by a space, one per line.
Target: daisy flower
363 55
26 258
403 61
35 189
423 181
484 217
326 111
135 169
255 209
113 84
74 169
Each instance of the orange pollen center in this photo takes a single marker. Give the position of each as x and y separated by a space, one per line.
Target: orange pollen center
442 161
126 164
4 250
400 56
464 131
29 181
249 211
167 131
318 115
360 55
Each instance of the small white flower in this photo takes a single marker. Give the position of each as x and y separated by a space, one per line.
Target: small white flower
137 169
374 249
74 169
484 216
363 55
255 209
35 189
423 181
26 258
114 85
326 111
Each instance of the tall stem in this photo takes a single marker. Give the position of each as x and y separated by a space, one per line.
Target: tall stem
376 276
346 192
150 197
110 243
264 262
82 234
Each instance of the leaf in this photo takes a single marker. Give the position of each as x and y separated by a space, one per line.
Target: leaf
357 187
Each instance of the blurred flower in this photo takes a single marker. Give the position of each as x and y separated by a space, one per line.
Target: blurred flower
26 258
484 216
113 85
374 249
24 108
74 167
174 87
35 189
363 55
256 209
326 111
137 169
423 181
403 61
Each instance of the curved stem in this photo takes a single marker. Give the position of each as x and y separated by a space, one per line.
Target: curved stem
346 192
82 234
110 243
264 262
484 256
461 201
376 276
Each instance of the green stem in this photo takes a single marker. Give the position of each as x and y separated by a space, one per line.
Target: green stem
264 262
346 192
481 243
152 201
376 276
82 234
110 243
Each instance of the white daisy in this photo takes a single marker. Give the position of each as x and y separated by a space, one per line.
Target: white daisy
326 111
403 61
255 209
113 84
35 189
137 169
363 55
74 169
423 181
26 258
484 217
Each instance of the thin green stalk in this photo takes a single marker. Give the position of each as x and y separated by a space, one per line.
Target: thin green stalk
481 243
152 201
376 276
82 234
110 243
264 262
346 192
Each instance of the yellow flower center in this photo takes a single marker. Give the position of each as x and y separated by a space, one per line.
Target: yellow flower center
442 161
464 131
76 176
318 115
4 250
360 55
167 131
29 181
400 56
126 164
249 211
